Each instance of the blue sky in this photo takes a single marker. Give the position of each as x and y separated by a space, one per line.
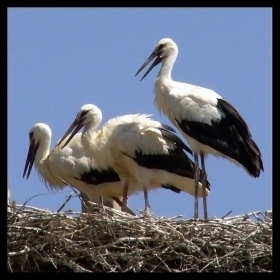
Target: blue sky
62 58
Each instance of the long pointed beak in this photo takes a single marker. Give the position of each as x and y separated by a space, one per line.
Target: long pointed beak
149 59
30 158
75 126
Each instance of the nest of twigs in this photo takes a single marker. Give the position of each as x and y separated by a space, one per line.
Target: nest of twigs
111 241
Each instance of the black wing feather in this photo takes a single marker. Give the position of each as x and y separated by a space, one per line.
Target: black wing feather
96 177
231 137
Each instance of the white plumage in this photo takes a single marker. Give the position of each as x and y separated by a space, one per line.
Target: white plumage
71 165
138 148
210 124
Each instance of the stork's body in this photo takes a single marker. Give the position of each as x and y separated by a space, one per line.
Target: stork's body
72 166
210 124
139 149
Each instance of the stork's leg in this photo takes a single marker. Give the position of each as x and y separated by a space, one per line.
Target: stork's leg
203 182
101 202
196 181
117 200
124 202
147 203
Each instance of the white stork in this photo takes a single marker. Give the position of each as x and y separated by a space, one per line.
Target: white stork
138 148
72 166
210 124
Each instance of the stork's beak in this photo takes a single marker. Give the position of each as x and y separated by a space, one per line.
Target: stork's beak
75 126
30 157
150 58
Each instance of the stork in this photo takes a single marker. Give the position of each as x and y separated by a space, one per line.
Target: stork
210 124
71 166
138 148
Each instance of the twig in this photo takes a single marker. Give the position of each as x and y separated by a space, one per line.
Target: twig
73 190
23 251
229 212
63 205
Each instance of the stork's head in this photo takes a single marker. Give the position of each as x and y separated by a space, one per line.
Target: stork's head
90 115
164 48
39 133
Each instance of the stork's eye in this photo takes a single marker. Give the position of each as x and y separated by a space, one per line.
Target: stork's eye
160 47
84 113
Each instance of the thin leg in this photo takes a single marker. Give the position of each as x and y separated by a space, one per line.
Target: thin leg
117 200
203 182
101 202
124 202
196 180
147 203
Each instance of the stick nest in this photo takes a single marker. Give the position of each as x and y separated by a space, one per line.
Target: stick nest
111 241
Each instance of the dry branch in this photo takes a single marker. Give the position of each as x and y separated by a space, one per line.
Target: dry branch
111 241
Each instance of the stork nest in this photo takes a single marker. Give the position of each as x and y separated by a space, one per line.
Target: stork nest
108 240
